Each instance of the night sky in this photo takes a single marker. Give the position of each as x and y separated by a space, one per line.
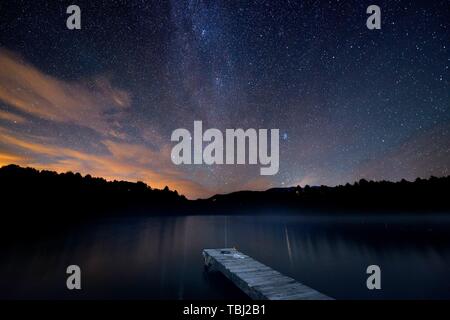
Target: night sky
350 102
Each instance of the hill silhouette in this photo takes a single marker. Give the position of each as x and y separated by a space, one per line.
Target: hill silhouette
424 195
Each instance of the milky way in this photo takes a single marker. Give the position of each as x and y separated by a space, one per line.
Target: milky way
350 102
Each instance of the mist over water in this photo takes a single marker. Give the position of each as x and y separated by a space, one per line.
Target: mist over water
160 257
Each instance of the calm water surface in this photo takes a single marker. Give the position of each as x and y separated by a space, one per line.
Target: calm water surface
160 258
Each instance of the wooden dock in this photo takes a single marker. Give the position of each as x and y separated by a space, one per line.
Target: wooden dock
256 279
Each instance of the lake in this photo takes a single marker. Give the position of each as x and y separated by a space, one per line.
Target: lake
160 257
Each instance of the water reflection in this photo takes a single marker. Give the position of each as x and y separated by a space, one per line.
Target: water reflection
160 258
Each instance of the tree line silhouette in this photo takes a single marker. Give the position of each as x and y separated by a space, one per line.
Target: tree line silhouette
40 195
33 193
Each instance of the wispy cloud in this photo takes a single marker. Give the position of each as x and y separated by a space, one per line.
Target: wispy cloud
33 92
8 158
8 116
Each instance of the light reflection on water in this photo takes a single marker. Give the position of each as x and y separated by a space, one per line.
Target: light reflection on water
160 258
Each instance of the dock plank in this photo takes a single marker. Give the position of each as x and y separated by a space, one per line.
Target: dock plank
257 280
